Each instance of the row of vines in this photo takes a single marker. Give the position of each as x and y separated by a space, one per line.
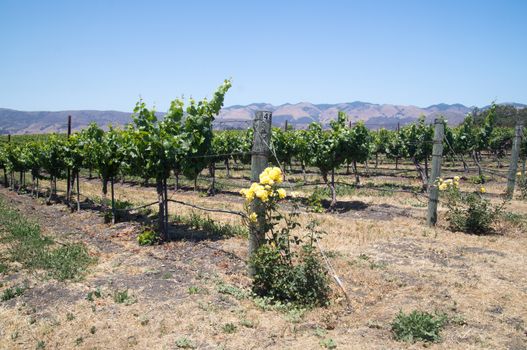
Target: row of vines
183 143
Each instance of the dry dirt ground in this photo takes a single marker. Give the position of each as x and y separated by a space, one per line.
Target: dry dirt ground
194 291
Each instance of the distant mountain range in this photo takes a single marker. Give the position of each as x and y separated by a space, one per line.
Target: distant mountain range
299 114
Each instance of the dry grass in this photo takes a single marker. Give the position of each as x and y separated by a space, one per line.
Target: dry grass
387 262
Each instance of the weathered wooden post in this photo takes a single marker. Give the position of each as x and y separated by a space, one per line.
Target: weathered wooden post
437 155
397 157
259 161
513 167
68 183
6 182
286 126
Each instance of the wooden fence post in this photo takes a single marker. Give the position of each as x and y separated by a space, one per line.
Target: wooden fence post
6 181
513 167
68 183
259 161
437 155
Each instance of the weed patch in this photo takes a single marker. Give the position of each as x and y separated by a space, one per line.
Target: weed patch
213 228
13 292
33 251
418 325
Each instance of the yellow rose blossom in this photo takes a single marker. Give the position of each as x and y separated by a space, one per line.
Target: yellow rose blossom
253 217
443 187
281 193
482 190
456 178
275 174
265 179
519 173
262 194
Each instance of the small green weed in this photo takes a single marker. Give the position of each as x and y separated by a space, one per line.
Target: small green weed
478 179
418 325
122 297
194 290
3 268
247 323
94 294
236 292
148 237
68 262
185 343
320 332
13 292
328 343
229 328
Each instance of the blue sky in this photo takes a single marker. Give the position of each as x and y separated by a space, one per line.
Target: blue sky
58 55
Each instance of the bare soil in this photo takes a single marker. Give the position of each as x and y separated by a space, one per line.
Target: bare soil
386 257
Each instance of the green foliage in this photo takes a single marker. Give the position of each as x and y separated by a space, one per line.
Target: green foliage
122 297
504 115
3 268
314 201
303 283
328 343
68 262
478 179
13 292
184 343
522 185
33 251
471 212
418 326
94 294
229 328
194 290
214 228
234 291
148 237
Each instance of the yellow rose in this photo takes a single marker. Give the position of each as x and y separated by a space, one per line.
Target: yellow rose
249 196
443 187
281 193
482 189
266 179
263 195
275 174
456 178
253 217
519 173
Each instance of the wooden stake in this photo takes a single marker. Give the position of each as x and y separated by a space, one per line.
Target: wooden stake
68 183
437 155
259 161
513 167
